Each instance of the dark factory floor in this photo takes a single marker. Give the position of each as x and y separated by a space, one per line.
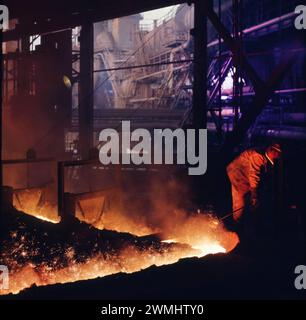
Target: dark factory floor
230 276
244 273
73 260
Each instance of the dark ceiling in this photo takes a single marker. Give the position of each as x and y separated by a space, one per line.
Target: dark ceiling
45 16
54 8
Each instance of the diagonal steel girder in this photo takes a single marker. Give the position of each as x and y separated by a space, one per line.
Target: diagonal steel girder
260 101
263 90
236 49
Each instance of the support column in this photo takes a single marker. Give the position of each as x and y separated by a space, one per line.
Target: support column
200 64
23 72
237 33
1 121
199 106
61 190
86 100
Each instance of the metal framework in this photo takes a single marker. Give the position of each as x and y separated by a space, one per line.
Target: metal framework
86 88
51 19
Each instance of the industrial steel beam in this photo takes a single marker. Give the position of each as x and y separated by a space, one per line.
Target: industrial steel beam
37 9
86 97
261 99
236 50
61 190
199 107
23 67
262 90
60 15
1 122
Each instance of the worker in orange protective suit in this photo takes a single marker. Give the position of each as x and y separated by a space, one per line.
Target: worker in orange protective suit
247 173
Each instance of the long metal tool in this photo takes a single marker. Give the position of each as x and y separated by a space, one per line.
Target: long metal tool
231 213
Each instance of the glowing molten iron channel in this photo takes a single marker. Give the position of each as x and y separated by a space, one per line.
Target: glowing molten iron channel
128 260
204 249
195 236
212 248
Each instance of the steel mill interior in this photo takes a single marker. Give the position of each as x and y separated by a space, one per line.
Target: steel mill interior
74 227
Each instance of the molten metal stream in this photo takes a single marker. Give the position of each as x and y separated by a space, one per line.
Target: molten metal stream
187 236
